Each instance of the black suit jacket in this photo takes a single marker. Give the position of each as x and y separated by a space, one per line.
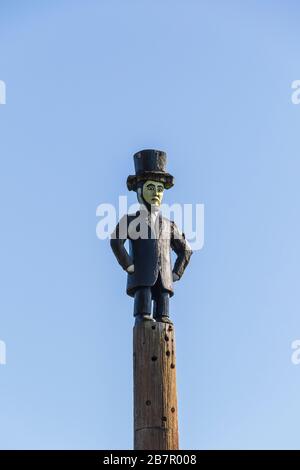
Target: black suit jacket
149 250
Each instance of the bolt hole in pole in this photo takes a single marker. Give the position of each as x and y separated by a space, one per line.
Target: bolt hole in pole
154 358
173 409
167 338
172 366
164 418
148 402
168 353
153 327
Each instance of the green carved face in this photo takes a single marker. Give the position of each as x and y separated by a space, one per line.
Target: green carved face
153 192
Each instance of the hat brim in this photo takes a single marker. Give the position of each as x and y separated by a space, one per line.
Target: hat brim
162 177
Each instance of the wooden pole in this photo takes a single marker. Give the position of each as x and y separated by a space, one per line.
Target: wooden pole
155 394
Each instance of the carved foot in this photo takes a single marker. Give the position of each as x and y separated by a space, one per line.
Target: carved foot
164 319
142 318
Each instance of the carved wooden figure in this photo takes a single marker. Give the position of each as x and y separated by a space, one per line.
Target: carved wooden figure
151 238
150 278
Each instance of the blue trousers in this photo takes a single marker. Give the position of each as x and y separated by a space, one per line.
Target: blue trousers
144 296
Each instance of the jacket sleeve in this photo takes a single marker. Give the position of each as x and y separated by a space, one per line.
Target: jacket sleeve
181 248
117 241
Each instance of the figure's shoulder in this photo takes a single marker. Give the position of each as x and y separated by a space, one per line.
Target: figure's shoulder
129 217
133 215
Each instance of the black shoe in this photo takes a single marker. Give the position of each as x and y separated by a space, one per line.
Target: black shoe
143 318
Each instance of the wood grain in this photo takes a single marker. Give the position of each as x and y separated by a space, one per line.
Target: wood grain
155 394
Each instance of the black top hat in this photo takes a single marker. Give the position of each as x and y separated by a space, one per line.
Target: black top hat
150 165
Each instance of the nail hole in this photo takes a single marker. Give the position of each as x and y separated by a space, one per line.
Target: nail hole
173 409
154 358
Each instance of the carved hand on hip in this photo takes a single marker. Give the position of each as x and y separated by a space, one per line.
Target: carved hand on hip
130 269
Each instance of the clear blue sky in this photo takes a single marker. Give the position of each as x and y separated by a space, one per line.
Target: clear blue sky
88 84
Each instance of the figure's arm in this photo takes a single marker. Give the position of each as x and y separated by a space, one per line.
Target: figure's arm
182 250
117 241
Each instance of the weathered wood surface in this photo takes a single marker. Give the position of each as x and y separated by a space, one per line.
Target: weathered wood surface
155 394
